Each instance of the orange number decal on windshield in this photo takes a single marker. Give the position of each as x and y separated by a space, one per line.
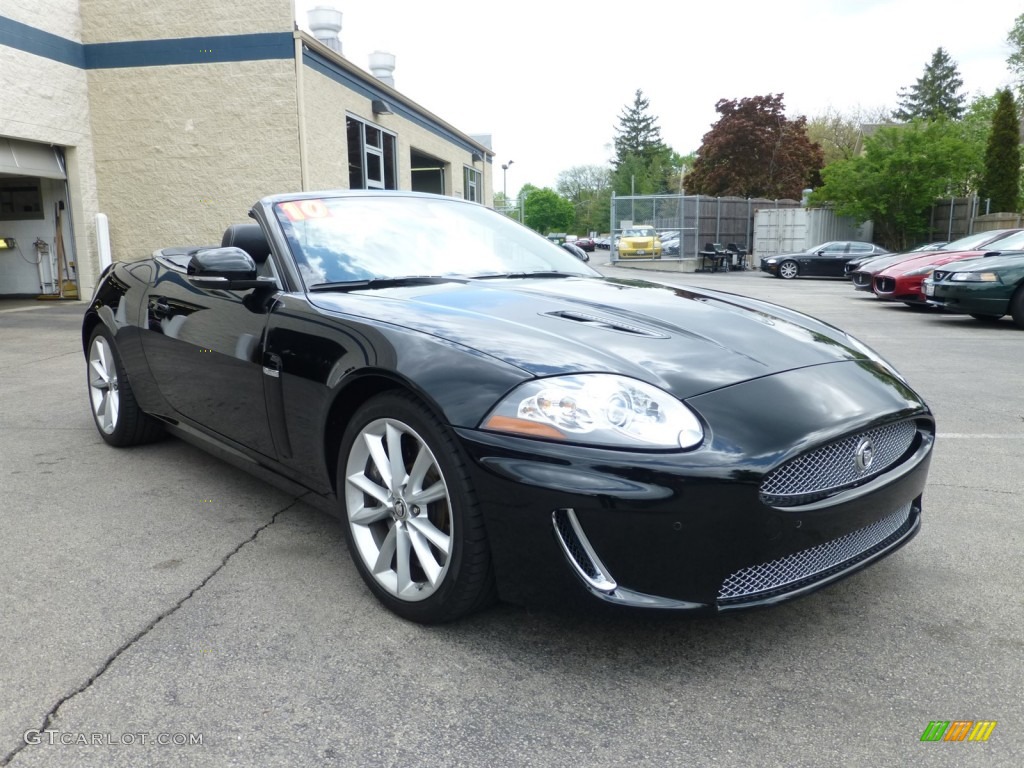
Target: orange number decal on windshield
305 209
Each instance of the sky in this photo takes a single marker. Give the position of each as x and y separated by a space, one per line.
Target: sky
548 80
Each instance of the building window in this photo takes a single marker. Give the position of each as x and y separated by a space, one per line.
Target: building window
371 156
473 184
20 198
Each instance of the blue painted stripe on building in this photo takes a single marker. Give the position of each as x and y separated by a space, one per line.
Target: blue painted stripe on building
329 69
190 50
22 37
146 53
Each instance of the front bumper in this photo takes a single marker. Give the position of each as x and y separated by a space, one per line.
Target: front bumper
970 298
691 531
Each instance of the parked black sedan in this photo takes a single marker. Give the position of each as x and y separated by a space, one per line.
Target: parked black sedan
490 416
825 260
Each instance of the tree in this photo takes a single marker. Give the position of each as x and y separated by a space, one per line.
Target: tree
544 210
754 150
588 188
936 94
1015 61
902 171
840 135
1000 183
638 140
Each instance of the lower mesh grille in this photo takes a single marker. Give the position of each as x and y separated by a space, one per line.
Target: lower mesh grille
885 284
813 564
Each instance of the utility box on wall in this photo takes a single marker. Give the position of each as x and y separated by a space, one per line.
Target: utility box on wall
789 230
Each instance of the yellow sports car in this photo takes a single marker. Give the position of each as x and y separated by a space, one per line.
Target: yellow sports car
639 243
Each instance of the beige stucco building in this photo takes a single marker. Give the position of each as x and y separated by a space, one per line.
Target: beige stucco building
161 123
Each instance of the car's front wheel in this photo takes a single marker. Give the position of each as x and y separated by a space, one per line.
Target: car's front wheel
412 522
788 270
1017 307
115 411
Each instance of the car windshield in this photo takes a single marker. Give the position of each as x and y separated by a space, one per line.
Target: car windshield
969 243
363 238
1012 242
638 232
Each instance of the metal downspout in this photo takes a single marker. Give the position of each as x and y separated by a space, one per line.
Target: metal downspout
300 107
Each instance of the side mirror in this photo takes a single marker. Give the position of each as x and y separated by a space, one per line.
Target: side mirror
230 269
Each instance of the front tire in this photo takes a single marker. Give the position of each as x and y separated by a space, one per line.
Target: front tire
412 521
788 270
115 411
1017 307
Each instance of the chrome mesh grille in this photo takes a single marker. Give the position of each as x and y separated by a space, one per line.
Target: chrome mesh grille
859 278
885 284
817 561
834 466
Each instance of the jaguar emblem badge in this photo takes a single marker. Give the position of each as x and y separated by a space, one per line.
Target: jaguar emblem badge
864 455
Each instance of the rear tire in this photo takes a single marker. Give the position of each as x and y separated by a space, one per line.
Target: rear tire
1017 307
788 270
412 522
116 413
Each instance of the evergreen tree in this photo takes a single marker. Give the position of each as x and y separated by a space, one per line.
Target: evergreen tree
1015 61
936 94
1000 183
638 138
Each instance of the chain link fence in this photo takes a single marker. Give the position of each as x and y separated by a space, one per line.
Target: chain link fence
689 223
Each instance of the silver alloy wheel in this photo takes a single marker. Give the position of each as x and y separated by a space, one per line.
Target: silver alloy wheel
399 509
788 270
103 384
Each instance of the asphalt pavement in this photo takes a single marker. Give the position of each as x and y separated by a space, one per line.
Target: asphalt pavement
162 608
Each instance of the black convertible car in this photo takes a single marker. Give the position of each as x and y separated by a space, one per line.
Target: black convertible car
490 417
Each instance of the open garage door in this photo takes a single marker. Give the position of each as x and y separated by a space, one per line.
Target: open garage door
36 239
427 172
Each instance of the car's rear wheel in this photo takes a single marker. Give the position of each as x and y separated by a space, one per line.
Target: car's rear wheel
1017 307
788 270
115 411
986 318
413 525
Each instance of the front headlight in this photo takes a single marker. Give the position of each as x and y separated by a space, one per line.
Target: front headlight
597 409
770 261
975 277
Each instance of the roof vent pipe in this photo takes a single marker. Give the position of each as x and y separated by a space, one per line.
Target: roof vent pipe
325 24
382 66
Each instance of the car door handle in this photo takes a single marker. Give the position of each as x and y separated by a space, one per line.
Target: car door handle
160 308
272 365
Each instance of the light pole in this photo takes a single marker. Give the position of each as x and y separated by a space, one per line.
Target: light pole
504 180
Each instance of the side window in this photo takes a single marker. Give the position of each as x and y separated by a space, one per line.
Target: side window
860 248
371 156
473 184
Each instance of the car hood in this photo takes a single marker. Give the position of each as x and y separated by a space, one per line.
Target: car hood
876 264
936 259
685 341
990 263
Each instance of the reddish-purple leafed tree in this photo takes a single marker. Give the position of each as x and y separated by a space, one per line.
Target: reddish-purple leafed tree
754 150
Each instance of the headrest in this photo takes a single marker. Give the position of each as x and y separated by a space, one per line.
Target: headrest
248 237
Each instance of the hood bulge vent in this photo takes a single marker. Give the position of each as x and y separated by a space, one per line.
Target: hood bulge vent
606 323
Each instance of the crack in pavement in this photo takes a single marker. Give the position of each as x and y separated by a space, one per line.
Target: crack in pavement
55 709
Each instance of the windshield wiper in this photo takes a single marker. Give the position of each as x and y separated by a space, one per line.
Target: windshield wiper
385 282
515 275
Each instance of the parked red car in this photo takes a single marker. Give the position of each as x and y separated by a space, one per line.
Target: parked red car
586 244
862 272
902 282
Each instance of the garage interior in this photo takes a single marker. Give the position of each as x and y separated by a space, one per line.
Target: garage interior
37 257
